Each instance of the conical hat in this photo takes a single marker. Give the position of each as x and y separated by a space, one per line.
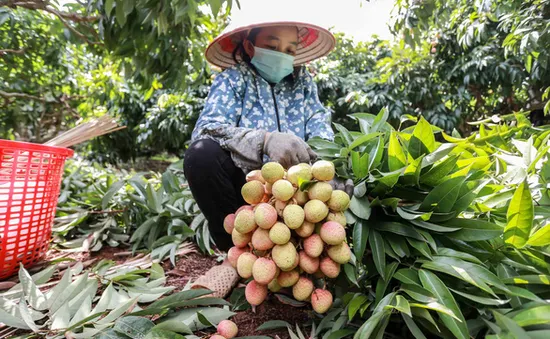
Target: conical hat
314 41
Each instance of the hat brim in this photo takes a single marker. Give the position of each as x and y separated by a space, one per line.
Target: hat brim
315 42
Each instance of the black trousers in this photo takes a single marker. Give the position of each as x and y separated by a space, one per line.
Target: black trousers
216 184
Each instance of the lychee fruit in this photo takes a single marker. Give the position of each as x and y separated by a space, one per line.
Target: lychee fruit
274 286
293 216
244 221
302 289
264 270
255 175
239 239
267 187
296 263
227 329
320 191
265 216
329 267
217 336
307 263
315 211
255 293
244 207
306 229
280 207
272 171
229 223
301 197
245 263
323 170
333 233
299 173
340 253
321 300
288 279
313 245
284 255
338 217
279 234
253 192
234 253
261 240
282 190
339 201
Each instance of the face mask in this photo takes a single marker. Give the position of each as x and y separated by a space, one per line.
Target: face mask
273 66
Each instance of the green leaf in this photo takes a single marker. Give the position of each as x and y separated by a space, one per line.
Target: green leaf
421 247
422 141
539 315
474 274
360 164
363 139
368 326
380 119
272 325
109 4
398 228
35 297
360 238
134 327
402 305
340 334
355 304
418 293
399 246
25 314
396 156
482 300
110 193
157 333
439 171
473 230
12 321
433 227
541 237
519 217
344 132
509 325
443 196
415 330
378 253
120 16
540 279
407 276
448 252
360 207
153 201
128 7
433 284
215 5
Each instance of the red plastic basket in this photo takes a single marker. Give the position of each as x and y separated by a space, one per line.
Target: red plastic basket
30 176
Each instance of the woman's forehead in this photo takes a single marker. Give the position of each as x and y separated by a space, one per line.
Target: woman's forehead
285 32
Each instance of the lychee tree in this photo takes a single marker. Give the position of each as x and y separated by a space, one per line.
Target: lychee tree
449 235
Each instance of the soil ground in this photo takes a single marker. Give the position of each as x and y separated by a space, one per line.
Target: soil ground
190 267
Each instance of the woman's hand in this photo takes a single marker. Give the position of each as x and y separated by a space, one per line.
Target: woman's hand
287 149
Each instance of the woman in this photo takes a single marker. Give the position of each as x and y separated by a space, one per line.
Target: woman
261 108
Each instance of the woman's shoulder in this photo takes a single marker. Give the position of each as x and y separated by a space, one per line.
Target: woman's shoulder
236 72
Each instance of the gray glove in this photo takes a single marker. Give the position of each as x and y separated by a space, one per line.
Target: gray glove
287 149
342 185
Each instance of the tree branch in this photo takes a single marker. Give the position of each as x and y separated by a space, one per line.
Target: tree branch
19 95
65 17
12 51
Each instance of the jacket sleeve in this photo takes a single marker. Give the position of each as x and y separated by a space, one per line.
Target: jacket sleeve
219 118
318 118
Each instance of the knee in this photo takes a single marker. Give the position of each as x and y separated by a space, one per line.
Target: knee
202 155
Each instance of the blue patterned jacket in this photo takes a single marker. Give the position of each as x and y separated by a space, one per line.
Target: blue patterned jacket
241 107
